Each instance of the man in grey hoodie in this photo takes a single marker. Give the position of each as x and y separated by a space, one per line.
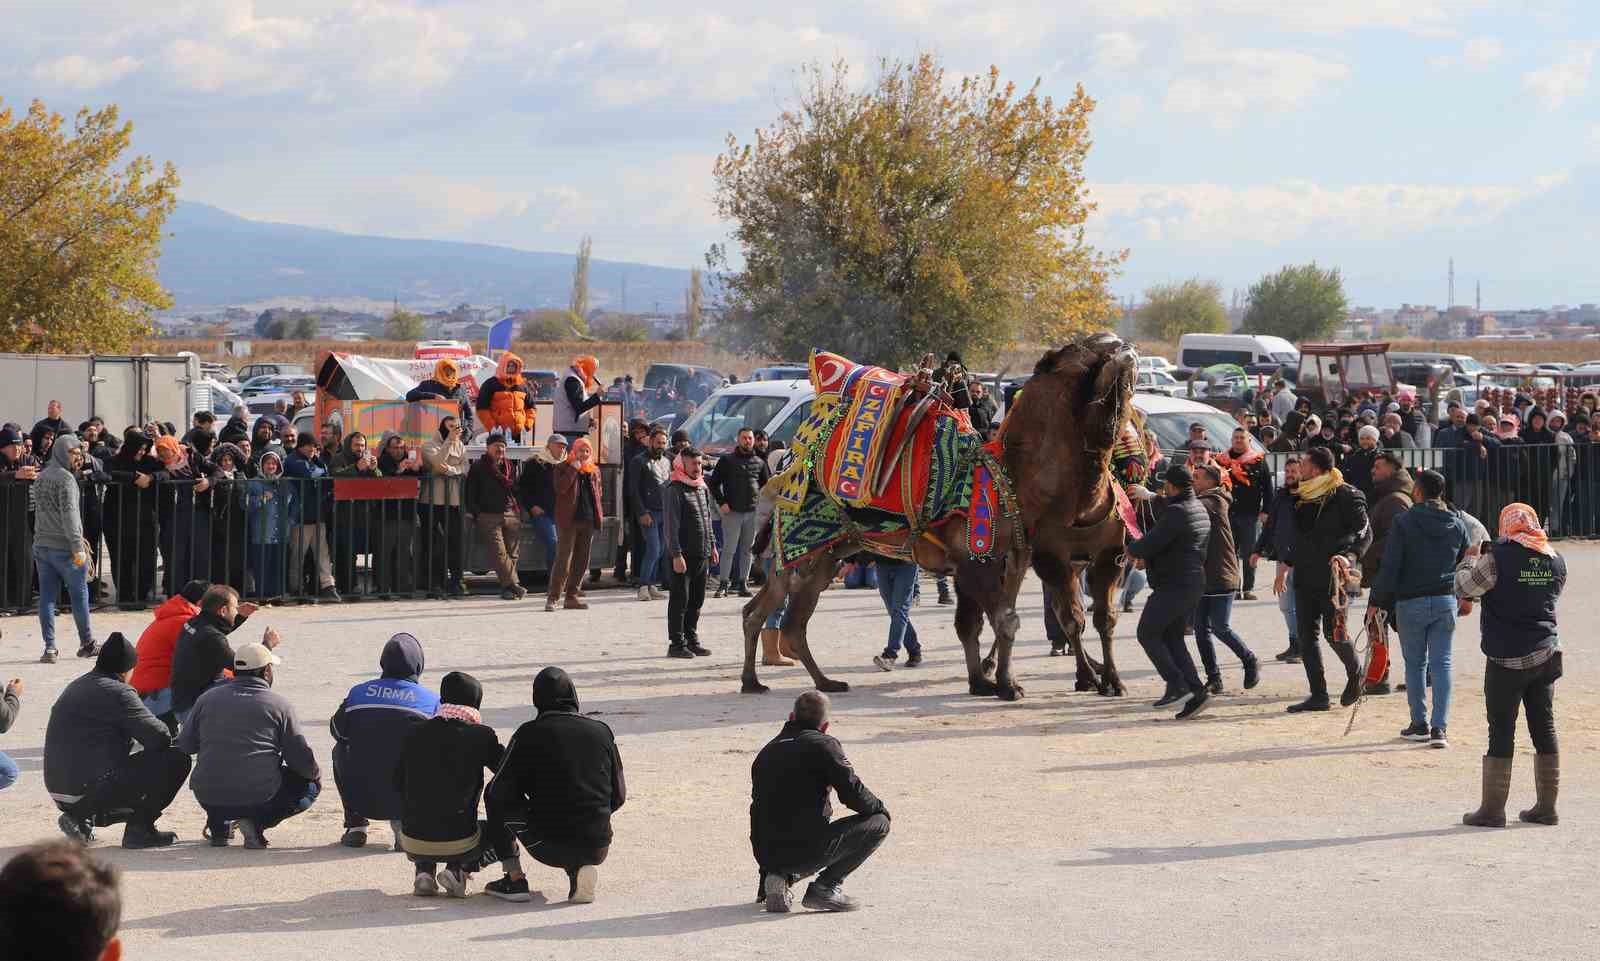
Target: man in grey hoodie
59 551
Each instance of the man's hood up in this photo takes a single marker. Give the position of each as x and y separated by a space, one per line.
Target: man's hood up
553 691
61 451
402 657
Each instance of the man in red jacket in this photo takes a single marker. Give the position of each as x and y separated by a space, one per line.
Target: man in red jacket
152 676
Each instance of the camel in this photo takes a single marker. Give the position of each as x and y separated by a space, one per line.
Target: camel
1057 445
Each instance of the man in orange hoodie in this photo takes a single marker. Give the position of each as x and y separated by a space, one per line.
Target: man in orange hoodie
152 676
505 401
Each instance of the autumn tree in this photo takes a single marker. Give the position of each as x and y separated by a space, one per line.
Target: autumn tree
404 325
80 233
579 304
693 303
307 327
548 325
1297 303
1191 307
921 213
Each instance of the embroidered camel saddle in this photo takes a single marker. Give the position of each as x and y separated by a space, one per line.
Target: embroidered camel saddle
883 460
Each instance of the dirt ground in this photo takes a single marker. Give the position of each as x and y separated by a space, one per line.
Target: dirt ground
1064 825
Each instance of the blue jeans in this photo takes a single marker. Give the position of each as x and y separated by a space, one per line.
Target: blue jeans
895 580
544 528
9 772
1133 581
649 571
1286 608
55 569
1212 616
1427 630
775 619
159 702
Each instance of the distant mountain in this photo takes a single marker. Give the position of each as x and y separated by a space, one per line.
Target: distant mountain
212 258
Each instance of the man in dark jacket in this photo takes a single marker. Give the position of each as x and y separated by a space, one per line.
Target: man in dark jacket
368 728
1330 522
1214 612
491 502
440 780
634 443
1251 489
1276 543
445 384
52 424
18 471
1416 580
309 511
252 763
536 492
1389 497
559 784
203 654
736 484
1172 554
87 768
648 475
792 831
690 544
10 706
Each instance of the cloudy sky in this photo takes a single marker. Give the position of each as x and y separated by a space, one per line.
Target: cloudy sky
1232 136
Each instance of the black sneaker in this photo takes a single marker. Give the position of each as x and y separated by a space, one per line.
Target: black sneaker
508 593
1214 685
329 595
720 593
1436 738
914 660
695 648
1415 732
354 838
1196 704
49 656
743 591
508 890
90 649
678 650
1310 704
254 838
1058 650
1377 690
1288 655
821 898
75 829
1252 672
1352 691
1172 696
137 837
945 599
218 835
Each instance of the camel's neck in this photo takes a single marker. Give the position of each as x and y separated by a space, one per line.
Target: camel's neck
1055 484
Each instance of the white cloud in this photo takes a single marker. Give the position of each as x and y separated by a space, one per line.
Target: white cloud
1563 80
1223 83
1475 54
1274 213
1115 51
83 73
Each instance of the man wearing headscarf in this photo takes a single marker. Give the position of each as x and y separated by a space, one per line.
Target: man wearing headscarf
444 457
440 780
580 392
179 481
60 554
88 769
1173 556
368 729
445 384
1519 579
578 516
559 784
505 401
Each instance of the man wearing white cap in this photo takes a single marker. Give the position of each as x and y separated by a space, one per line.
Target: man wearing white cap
252 763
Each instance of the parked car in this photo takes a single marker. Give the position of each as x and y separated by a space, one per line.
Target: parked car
697 382
1155 362
1152 381
276 384
781 372
1169 419
778 407
251 371
1250 351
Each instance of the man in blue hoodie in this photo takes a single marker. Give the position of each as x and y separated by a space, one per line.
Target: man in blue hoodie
368 731
1416 578
308 530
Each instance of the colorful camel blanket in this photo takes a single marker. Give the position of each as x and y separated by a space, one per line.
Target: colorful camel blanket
878 463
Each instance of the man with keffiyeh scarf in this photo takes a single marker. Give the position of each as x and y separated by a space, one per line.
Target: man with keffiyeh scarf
1250 482
1330 521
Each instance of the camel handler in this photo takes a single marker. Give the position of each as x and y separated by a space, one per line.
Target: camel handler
1173 554
791 829
1330 519
1519 578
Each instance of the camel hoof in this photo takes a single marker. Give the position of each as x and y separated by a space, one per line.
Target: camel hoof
988 666
1083 686
830 686
1010 692
983 687
753 686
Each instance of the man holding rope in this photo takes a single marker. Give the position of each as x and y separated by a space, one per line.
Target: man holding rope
1331 531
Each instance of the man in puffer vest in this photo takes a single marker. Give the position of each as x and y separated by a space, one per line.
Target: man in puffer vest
505 401
368 730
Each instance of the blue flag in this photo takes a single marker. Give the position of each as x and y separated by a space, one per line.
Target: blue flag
500 335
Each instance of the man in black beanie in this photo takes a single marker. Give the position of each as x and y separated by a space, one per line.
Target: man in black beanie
440 778
559 784
87 767
1173 555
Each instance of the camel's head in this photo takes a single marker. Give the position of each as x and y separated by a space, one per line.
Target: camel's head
1085 391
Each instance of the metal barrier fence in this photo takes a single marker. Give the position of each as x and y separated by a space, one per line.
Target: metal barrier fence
281 539
1560 481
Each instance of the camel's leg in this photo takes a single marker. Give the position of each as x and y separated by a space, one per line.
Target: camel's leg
805 588
971 581
756 611
1104 578
1002 610
1069 605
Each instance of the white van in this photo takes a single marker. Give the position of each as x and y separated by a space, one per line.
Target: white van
1198 351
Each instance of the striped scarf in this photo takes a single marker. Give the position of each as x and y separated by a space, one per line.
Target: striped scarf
459 712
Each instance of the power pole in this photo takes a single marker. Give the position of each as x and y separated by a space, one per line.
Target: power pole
1478 298
1451 301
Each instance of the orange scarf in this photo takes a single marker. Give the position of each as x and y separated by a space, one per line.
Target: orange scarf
1519 523
1237 465
589 466
587 365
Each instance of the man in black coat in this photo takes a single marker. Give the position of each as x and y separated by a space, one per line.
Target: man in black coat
689 545
1173 555
791 829
736 484
559 784
203 651
1330 521
88 769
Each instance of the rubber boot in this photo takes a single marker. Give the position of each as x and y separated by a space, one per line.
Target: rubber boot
1491 813
1547 782
770 656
